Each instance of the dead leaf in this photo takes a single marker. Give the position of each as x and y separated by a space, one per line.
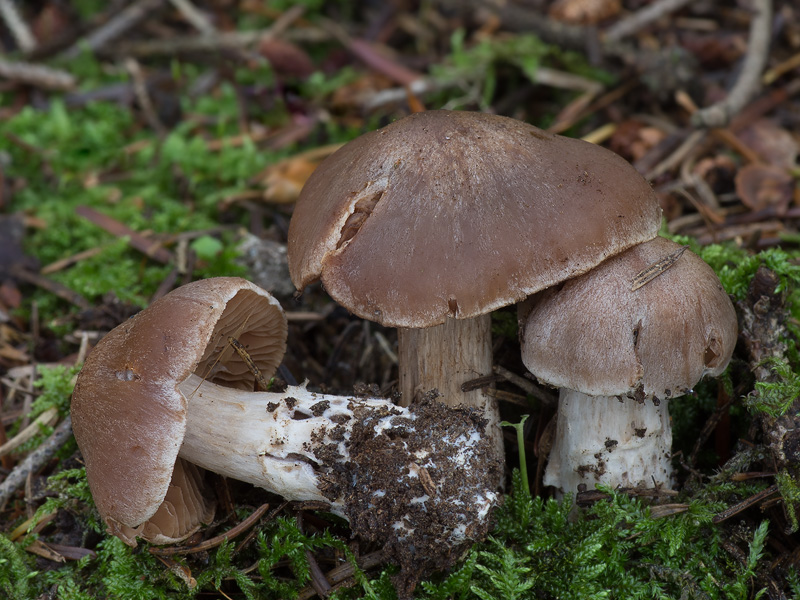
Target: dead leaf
715 51
584 12
286 58
774 144
717 171
39 548
632 139
761 186
283 181
353 96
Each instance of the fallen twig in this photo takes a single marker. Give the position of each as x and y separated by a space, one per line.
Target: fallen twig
195 17
223 40
345 571
123 21
17 26
46 419
318 580
744 504
215 541
35 460
365 52
642 18
149 247
36 75
526 385
143 96
749 81
51 286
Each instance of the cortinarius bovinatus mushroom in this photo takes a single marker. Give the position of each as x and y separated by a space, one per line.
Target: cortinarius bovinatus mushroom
167 389
441 217
620 341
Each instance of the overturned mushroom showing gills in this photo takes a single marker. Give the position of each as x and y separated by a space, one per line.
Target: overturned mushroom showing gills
441 217
619 341
129 419
167 384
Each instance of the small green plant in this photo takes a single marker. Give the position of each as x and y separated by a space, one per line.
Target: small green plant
523 463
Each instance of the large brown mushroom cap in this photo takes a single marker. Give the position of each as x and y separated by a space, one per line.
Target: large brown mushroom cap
457 213
128 416
597 336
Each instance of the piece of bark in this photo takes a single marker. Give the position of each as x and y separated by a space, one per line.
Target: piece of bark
763 315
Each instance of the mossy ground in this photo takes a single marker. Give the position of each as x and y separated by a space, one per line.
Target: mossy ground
61 152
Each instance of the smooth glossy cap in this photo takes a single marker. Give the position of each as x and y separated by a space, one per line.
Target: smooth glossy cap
454 214
597 336
128 416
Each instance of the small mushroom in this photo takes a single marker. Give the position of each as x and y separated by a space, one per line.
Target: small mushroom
434 221
167 385
620 341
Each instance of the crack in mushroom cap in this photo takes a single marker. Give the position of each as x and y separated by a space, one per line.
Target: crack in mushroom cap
456 214
129 419
595 335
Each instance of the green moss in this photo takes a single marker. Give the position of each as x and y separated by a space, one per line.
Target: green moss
735 266
55 385
80 157
16 570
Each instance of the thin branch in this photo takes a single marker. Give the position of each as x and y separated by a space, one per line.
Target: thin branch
143 97
224 40
642 18
346 571
36 75
746 503
116 26
526 385
749 82
208 544
35 460
195 17
19 29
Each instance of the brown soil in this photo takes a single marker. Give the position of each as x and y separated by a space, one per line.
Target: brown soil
389 474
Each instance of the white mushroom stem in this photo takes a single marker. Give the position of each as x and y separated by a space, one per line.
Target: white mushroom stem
298 444
618 442
258 438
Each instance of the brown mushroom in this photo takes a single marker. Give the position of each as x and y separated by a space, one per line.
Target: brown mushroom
129 417
167 385
620 341
441 217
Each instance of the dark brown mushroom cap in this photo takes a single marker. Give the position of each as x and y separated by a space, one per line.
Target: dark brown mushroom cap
457 213
128 416
596 335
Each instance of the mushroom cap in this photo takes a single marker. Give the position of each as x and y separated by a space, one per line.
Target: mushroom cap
454 214
595 335
129 418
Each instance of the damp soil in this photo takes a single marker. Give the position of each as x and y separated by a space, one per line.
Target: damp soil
406 489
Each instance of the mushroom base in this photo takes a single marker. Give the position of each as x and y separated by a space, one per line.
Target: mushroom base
617 442
444 357
418 480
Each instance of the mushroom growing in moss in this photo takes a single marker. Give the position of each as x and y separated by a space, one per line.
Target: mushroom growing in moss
434 221
619 342
166 389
